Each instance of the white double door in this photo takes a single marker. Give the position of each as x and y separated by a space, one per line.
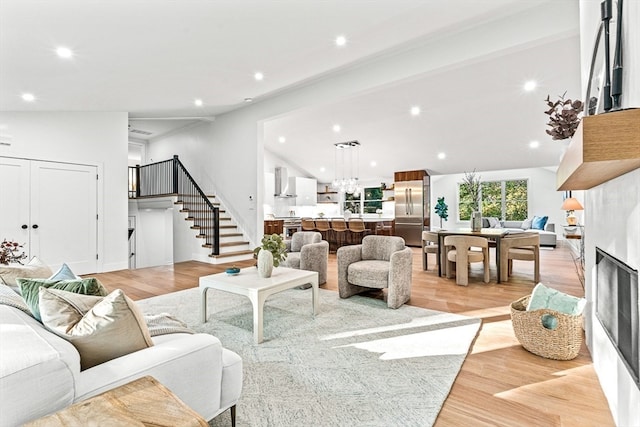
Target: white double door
52 209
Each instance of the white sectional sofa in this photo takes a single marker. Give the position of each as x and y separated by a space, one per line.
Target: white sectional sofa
547 236
40 372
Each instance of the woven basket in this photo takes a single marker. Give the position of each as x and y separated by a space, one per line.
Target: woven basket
561 343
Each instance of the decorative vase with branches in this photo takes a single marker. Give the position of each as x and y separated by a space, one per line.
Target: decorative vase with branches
471 183
441 210
564 117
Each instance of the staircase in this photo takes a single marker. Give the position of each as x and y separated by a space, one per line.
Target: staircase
233 245
222 240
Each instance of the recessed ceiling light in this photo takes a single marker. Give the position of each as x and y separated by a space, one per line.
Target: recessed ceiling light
341 41
441 156
248 100
336 128
530 85
415 110
373 164
29 97
198 102
258 76
64 52
322 169
534 144
282 140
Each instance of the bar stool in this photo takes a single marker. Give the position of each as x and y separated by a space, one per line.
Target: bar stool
322 225
339 229
357 230
307 224
384 228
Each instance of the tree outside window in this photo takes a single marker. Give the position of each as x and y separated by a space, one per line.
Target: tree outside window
506 200
370 199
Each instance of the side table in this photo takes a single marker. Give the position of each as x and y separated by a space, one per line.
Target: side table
143 402
578 234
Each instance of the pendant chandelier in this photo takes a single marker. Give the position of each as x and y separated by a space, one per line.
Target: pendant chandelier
346 168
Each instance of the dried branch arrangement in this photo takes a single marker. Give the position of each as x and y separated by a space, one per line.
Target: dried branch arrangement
564 117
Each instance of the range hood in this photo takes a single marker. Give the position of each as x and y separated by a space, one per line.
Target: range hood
282 184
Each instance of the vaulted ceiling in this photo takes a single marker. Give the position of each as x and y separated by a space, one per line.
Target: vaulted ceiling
153 59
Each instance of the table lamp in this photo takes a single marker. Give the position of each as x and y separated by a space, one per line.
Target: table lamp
570 205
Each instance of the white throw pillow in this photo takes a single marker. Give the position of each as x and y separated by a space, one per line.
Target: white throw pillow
526 224
34 269
101 328
494 222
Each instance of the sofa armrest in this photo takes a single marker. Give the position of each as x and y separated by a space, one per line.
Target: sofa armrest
346 256
315 257
189 365
287 243
400 277
550 227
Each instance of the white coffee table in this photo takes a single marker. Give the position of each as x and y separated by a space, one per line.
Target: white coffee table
258 289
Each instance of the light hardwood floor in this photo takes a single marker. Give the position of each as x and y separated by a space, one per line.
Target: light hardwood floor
500 383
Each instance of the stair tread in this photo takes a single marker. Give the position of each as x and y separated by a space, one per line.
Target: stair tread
228 254
236 243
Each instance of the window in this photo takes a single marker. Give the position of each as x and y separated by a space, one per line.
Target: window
352 203
506 200
370 199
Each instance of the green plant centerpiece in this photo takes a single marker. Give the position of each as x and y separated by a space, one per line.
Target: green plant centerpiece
270 253
441 210
564 117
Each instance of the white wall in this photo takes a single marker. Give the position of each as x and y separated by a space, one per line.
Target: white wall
155 237
612 223
612 217
543 197
98 139
193 146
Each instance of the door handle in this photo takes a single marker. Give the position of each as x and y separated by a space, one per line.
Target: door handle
24 226
410 201
34 226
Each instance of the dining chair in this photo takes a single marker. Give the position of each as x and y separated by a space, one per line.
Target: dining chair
357 231
307 224
429 246
463 255
339 231
524 247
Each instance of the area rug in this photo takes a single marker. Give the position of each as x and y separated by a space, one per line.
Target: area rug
357 363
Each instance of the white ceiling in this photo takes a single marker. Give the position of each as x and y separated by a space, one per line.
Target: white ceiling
153 58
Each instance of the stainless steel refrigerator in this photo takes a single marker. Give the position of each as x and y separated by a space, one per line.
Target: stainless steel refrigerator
412 201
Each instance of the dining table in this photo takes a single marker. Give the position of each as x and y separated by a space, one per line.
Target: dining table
494 234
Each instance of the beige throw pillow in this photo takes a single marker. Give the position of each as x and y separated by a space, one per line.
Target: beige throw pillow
35 269
101 328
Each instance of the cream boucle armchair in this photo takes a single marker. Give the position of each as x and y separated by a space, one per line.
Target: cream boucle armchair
379 262
307 251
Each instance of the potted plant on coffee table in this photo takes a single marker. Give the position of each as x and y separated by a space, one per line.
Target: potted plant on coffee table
270 253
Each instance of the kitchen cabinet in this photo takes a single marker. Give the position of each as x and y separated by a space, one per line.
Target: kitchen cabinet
273 226
305 190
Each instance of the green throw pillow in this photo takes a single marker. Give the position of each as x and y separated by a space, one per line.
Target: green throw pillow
544 297
30 287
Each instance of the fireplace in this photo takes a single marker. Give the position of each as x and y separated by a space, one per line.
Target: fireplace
618 307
